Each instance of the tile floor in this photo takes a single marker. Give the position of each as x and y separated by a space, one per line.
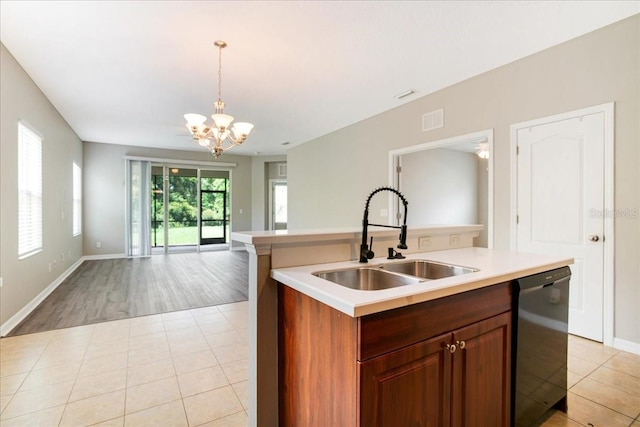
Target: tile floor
189 368
186 368
604 387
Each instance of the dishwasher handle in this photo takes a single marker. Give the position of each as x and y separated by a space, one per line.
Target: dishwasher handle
541 279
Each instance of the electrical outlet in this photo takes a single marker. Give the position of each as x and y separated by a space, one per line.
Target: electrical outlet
98 244
424 242
454 240
0 282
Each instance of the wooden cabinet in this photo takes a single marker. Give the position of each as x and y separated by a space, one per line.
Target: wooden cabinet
444 362
456 379
408 387
481 379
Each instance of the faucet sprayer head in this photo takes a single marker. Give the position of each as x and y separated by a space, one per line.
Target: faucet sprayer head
403 238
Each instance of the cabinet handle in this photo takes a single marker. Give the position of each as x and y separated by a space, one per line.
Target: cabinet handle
461 344
451 348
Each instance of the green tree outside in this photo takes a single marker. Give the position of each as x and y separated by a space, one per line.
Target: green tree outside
183 209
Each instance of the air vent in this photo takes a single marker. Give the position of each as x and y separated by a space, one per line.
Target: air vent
433 120
282 169
404 94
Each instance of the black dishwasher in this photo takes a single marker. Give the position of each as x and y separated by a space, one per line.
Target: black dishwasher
540 332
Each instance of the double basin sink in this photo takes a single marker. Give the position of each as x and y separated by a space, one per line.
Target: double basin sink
392 274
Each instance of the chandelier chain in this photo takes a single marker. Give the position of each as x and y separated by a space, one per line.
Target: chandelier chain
219 72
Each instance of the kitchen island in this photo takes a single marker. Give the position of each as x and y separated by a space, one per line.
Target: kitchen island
290 257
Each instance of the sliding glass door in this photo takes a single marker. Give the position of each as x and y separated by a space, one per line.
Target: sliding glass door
157 207
214 207
190 208
182 208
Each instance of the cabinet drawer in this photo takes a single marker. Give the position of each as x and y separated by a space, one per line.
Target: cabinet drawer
383 332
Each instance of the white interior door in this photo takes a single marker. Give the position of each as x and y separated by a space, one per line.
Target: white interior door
560 205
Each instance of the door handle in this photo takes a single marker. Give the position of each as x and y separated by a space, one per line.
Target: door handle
594 238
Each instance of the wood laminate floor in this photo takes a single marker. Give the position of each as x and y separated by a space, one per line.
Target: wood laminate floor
104 290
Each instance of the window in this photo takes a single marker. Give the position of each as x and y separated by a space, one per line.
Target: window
77 200
29 191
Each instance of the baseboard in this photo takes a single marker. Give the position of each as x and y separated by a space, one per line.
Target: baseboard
629 346
104 256
15 320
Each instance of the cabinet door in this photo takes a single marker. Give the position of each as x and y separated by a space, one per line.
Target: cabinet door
481 384
408 387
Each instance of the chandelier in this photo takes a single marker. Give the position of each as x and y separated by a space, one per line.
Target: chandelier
218 137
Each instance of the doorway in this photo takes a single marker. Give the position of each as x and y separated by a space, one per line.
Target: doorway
278 204
562 186
190 209
449 181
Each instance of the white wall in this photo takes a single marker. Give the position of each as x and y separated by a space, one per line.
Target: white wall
21 99
441 187
331 176
482 167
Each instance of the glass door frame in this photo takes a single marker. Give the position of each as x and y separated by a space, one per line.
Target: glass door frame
154 208
168 174
214 240
166 167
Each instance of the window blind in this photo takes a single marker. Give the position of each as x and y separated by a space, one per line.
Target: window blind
138 207
29 191
77 200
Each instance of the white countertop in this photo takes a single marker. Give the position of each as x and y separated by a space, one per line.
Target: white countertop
494 267
293 236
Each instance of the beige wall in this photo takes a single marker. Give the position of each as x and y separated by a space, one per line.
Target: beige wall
330 177
21 99
104 191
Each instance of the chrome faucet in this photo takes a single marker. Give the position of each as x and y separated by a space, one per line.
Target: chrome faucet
365 250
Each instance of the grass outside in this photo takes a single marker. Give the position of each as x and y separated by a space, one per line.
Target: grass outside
184 235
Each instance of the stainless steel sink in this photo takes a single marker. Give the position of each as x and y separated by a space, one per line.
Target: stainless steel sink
392 274
366 278
427 269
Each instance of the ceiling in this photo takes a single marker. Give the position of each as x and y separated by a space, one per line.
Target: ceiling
125 72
